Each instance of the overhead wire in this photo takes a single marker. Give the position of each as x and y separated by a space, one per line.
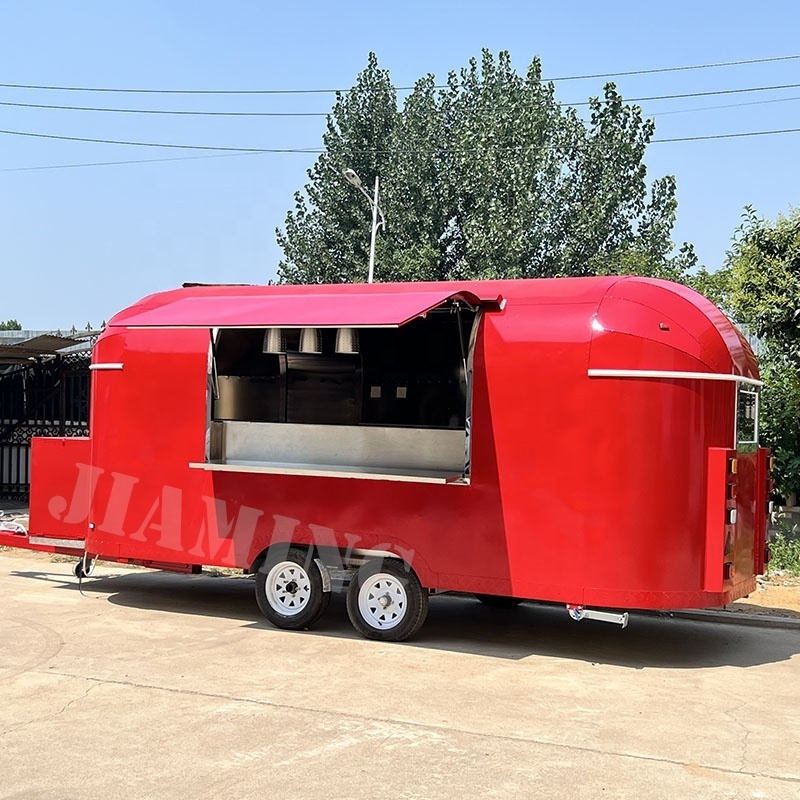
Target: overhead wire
157 111
723 136
162 144
223 151
685 95
301 151
651 71
727 105
673 69
172 113
128 161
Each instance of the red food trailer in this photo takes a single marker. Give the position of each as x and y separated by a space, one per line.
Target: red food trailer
590 441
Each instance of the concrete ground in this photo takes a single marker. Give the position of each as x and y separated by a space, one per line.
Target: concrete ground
167 686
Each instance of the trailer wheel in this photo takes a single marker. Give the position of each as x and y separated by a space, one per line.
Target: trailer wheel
386 601
289 590
498 600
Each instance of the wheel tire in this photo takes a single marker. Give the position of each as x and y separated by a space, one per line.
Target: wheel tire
78 570
386 601
498 600
289 590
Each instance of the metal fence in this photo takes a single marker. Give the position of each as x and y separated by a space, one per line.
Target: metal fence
48 397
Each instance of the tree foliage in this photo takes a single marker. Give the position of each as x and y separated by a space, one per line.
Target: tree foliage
764 266
487 177
780 417
10 325
760 288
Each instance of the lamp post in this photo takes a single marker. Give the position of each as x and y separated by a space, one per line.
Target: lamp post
352 177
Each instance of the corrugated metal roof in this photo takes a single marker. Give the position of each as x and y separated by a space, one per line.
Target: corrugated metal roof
41 345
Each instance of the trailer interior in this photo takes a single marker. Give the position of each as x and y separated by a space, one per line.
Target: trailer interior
371 402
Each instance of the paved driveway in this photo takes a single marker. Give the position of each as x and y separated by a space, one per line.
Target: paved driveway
169 686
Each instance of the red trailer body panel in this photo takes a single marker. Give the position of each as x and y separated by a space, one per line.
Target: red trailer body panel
601 420
55 510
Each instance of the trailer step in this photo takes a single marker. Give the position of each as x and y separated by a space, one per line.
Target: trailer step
579 612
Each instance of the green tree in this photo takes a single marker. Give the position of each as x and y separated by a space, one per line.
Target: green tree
780 417
488 177
764 265
760 288
10 325
713 285
323 237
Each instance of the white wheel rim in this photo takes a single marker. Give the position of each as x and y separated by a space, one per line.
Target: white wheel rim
382 601
288 588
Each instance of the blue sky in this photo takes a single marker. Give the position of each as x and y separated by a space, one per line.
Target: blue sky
78 244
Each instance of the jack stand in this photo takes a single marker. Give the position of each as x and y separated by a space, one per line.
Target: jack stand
579 612
85 569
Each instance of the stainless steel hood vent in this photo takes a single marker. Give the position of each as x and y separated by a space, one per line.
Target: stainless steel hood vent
310 340
347 340
274 341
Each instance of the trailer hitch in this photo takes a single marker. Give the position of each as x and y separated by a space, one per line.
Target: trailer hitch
579 612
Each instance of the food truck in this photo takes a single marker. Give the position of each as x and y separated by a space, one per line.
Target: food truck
591 442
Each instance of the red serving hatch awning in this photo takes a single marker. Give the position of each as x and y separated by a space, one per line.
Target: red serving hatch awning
365 309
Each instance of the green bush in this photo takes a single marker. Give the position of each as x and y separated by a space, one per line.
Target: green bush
785 553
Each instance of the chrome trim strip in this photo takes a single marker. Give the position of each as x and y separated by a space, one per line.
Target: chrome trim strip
359 553
47 541
105 366
321 472
659 373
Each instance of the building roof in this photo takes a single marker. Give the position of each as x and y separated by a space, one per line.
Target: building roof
17 347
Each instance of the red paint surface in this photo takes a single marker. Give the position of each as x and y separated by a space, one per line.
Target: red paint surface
293 306
591 491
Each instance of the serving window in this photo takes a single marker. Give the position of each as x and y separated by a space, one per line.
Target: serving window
389 402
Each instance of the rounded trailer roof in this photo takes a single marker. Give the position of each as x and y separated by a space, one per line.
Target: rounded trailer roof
635 322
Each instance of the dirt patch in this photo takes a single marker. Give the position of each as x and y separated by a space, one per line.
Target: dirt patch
777 596
18 552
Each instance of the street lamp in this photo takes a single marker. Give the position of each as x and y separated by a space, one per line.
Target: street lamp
352 177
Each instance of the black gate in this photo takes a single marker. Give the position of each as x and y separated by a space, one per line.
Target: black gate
48 397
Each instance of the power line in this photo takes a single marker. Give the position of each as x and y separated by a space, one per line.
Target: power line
129 161
682 96
716 93
397 88
158 144
728 105
673 69
175 113
723 136
310 150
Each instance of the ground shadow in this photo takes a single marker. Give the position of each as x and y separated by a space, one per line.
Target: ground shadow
202 595
461 624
